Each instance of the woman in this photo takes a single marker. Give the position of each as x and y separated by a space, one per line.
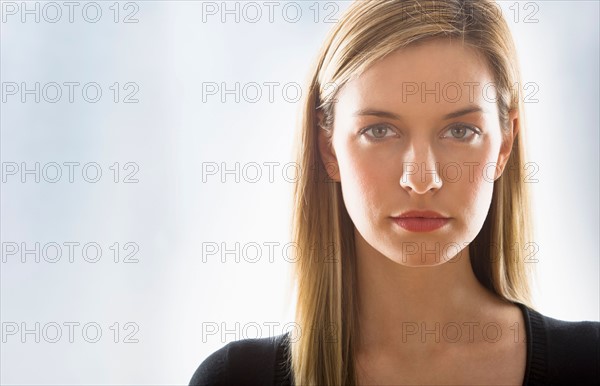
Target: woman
412 150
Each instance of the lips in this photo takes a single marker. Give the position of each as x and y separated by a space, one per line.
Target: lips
421 214
421 220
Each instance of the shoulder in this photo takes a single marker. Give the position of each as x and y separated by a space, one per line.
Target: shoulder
246 361
580 338
571 350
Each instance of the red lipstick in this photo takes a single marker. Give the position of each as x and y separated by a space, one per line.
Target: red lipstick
421 220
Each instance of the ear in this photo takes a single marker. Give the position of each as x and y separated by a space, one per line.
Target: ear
326 150
507 142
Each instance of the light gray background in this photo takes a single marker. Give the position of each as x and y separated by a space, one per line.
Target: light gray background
171 296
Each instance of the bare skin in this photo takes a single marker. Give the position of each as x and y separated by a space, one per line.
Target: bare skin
405 296
414 339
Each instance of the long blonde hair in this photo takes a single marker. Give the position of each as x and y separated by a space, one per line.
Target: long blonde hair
321 227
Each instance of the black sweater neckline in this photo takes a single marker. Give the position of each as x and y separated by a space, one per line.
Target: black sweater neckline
535 367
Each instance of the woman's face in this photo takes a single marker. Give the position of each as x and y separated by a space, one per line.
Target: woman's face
419 130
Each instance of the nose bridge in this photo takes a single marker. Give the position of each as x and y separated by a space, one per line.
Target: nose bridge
420 170
421 150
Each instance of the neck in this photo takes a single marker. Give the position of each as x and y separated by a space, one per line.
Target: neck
392 296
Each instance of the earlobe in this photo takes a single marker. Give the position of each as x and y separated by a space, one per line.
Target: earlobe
327 152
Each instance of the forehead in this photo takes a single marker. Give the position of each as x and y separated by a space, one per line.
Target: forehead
457 73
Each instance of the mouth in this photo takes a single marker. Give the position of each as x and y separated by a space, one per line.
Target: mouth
421 221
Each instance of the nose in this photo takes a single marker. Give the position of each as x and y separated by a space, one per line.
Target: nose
420 172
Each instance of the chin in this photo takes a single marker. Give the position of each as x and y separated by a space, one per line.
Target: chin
425 253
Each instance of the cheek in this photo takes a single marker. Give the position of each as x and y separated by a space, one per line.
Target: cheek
475 191
364 183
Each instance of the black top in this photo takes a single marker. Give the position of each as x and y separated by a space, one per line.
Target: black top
558 352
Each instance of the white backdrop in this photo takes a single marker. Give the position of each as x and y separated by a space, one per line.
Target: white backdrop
130 172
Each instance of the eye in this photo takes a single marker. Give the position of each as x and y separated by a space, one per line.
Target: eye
461 133
378 132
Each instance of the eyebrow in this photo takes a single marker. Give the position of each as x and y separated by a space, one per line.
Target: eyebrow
387 114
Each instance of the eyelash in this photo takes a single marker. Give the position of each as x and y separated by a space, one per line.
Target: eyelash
474 130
